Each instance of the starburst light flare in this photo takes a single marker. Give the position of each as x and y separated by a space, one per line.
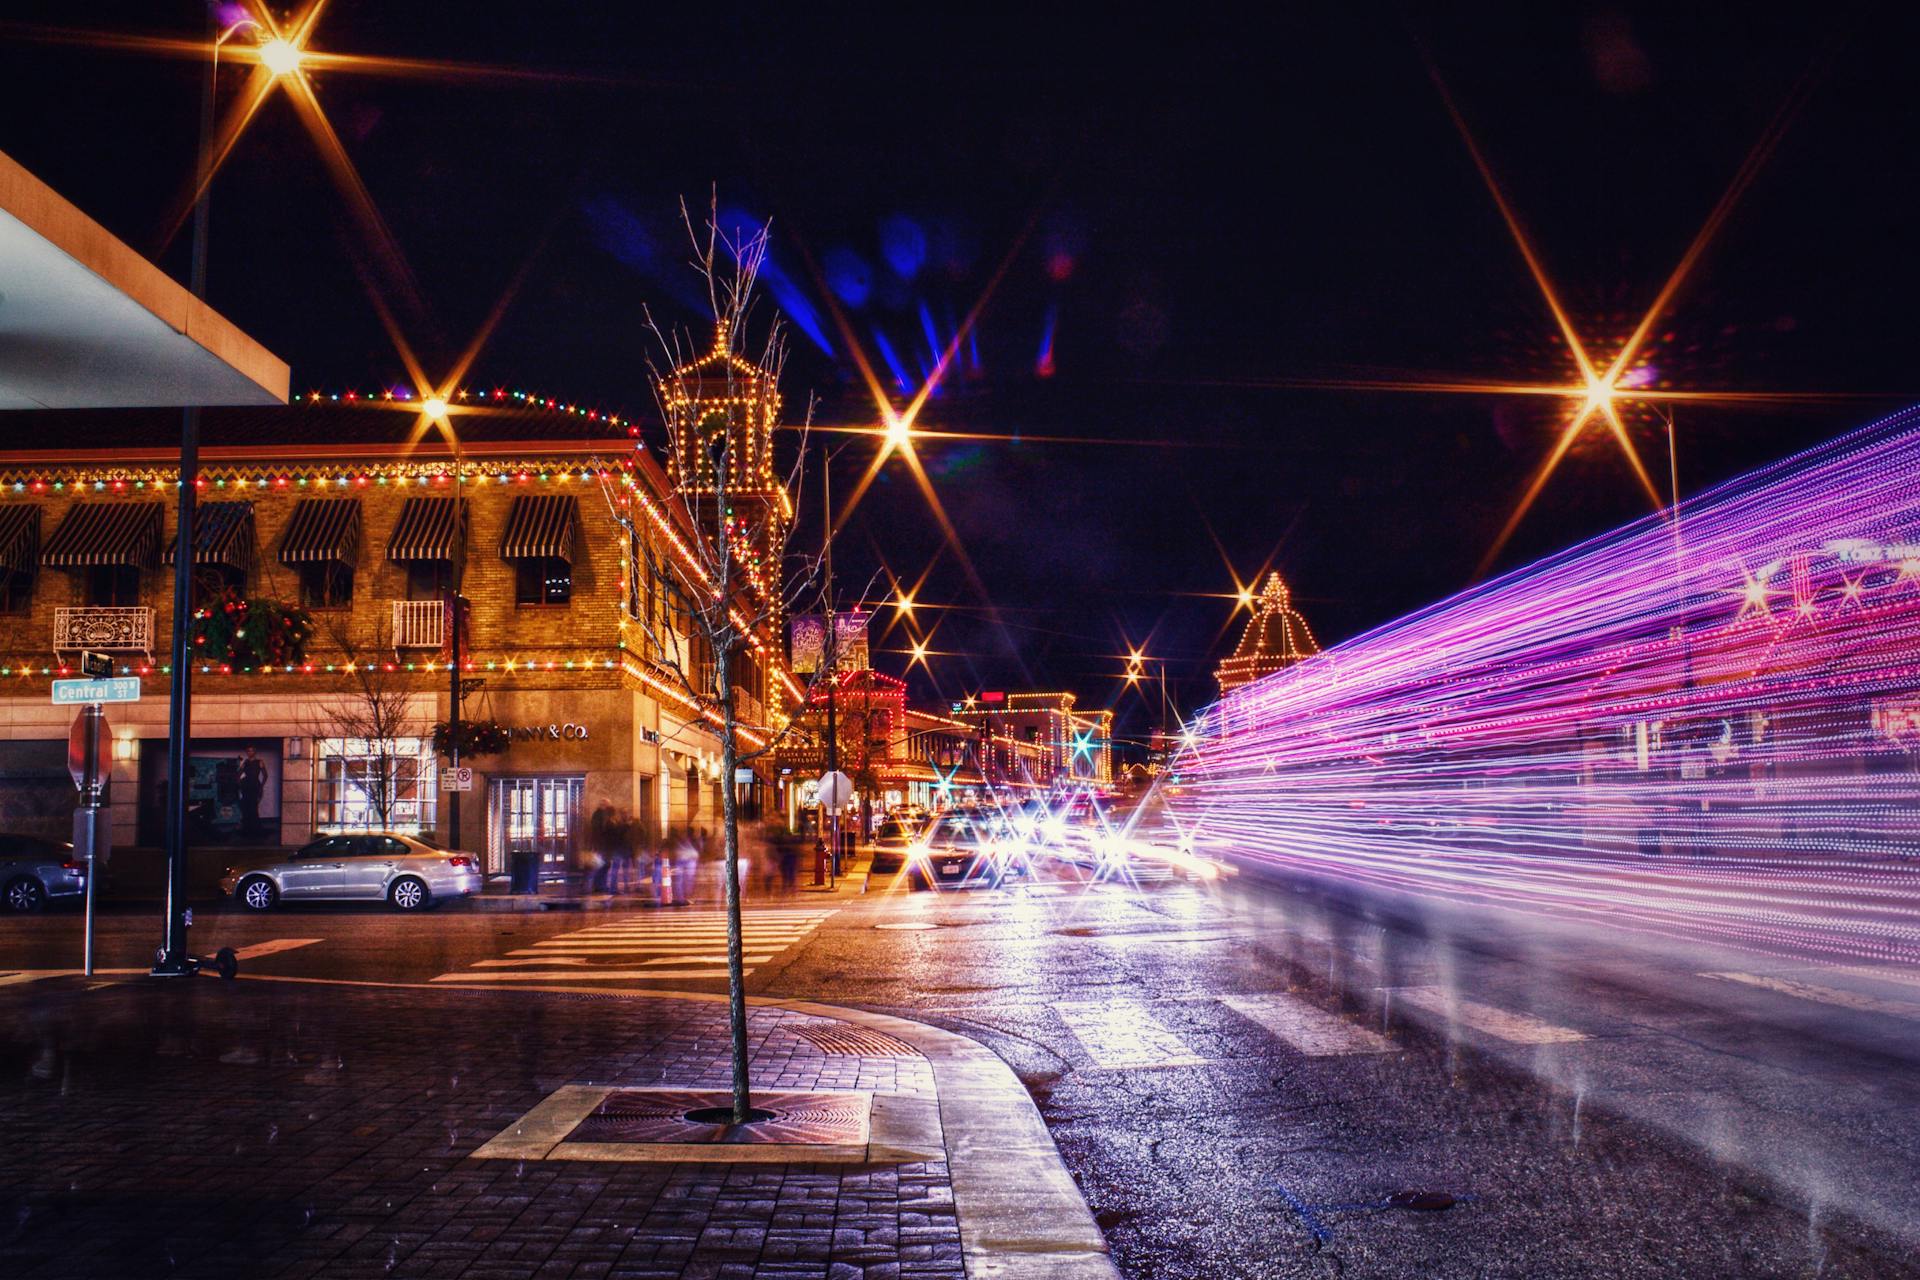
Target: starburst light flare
1711 739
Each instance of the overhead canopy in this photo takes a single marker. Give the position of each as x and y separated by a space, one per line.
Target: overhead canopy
222 534
105 533
87 323
424 530
540 528
19 538
322 530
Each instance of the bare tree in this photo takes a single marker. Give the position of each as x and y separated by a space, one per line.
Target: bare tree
372 705
711 575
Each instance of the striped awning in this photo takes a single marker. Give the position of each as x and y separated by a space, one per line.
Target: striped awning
322 529
100 533
222 534
424 530
540 528
19 538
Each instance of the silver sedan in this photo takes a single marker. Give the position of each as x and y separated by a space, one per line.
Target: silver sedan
379 866
35 871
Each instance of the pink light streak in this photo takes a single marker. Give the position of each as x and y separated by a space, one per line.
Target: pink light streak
1708 731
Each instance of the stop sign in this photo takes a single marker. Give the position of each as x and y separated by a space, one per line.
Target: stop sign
77 750
836 789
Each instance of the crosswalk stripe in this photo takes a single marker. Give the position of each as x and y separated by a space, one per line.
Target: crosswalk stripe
707 957
1308 1028
588 975
1501 1024
1824 995
1121 1033
259 949
644 944
626 934
663 947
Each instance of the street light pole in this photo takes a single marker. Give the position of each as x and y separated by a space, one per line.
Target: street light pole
454 574
830 658
173 960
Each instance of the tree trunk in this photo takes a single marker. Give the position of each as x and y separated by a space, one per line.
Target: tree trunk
730 825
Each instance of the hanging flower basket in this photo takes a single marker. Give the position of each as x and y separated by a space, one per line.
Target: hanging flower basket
477 738
243 633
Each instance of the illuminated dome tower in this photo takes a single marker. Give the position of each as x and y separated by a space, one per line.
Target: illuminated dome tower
1276 637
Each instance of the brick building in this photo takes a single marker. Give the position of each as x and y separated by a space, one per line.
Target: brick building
348 511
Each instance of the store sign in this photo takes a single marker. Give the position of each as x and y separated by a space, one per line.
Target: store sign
566 732
808 637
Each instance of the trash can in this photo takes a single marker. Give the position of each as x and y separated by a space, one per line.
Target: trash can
523 871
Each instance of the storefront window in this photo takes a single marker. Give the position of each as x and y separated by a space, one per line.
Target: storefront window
365 784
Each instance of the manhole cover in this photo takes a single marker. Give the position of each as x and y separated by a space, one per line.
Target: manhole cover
908 924
687 1115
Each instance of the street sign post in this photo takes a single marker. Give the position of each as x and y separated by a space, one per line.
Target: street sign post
836 788
460 779
87 757
83 693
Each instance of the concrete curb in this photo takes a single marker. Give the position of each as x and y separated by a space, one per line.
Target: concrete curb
1020 1212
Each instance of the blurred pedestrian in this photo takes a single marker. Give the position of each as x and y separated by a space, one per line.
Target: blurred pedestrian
620 833
593 850
686 867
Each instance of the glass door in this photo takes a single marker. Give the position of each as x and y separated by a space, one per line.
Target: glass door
535 815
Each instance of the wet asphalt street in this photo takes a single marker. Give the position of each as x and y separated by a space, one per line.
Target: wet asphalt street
1247 1078
1244 1077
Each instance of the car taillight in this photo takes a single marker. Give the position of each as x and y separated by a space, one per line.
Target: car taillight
73 864
459 860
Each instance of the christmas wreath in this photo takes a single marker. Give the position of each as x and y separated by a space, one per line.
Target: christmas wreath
241 633
477 738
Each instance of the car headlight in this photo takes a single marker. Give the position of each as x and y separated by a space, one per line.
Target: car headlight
918 852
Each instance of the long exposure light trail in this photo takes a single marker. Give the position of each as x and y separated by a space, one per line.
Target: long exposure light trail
1712 736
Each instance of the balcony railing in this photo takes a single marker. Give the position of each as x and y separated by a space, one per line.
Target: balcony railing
109 629
419 624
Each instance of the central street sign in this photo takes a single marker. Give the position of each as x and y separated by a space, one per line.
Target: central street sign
72 693
460 779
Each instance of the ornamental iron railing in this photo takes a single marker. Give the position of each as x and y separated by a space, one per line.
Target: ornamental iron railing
110 629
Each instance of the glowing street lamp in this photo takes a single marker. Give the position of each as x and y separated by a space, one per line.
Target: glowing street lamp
280 56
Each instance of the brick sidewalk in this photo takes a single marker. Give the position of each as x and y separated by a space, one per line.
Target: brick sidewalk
215 1129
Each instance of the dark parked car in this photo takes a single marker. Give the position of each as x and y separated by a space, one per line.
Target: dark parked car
35 870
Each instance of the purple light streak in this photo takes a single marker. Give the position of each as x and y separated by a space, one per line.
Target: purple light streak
1707 731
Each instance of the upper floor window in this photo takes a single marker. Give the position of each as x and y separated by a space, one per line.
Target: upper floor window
542 580
326 584
16 590
113 585
429 579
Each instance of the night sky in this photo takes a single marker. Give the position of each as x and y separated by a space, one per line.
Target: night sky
1197 213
